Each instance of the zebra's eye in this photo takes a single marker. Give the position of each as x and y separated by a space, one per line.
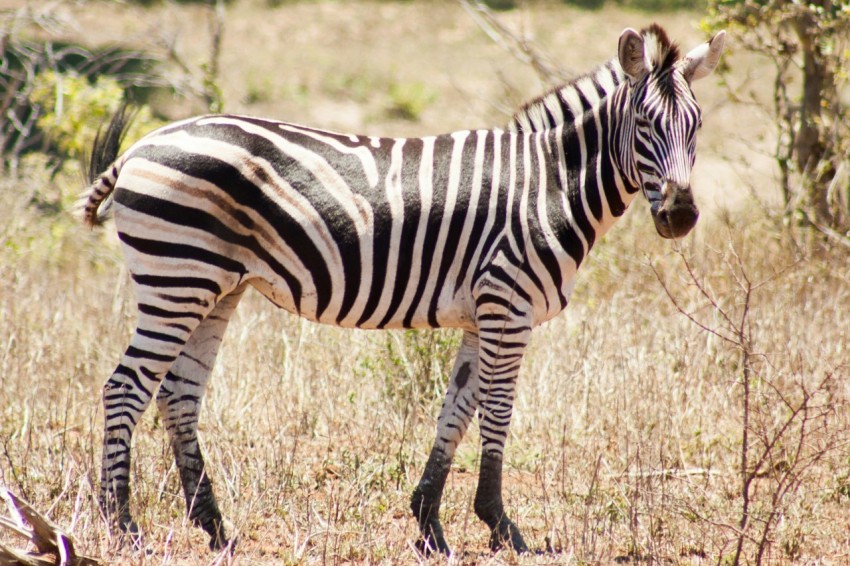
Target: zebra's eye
641 122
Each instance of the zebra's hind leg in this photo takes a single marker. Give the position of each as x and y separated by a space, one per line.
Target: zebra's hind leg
457 411
163 328
179 402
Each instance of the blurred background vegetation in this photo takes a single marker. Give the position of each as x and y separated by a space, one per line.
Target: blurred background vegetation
54 93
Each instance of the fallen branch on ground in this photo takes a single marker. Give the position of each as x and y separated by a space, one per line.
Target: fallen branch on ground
54 547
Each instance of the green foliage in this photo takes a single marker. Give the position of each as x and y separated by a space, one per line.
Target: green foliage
24 61
501 4
74 108
409 100
212 91
71 109
586 4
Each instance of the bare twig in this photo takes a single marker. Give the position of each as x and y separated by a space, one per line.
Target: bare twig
520 47
687 314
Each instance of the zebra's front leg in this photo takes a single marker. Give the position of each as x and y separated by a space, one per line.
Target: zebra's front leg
457 412
491 510
501 352
179 401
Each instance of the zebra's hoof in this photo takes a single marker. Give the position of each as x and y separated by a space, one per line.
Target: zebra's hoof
129 534
429 546
223 536
507 535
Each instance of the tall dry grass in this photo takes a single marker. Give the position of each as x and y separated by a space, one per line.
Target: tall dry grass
627 436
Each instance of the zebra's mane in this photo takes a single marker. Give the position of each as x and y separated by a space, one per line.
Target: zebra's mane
661 52
553 107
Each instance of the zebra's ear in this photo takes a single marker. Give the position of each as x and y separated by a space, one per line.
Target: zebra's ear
631 54
702 60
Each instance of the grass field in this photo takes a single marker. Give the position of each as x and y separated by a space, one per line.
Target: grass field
630 422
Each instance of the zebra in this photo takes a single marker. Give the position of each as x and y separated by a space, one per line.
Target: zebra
481 230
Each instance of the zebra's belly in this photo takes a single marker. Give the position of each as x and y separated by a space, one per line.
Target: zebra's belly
447 314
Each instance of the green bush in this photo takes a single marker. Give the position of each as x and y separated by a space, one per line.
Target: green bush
414 366
74 108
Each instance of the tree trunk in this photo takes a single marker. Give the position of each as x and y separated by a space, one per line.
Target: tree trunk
810 143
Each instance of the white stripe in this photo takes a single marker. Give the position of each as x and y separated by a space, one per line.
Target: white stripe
447 295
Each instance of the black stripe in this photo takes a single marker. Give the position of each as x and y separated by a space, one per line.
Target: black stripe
134 377
591 143
483 212
536 238
569 116
181 300
161 336
201 220
572 155
247 195
162 313
492 299
609 185
509 281
181 251
383 223
176 282
495 239
133 352
339 225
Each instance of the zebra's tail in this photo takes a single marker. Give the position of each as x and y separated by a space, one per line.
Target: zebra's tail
102 169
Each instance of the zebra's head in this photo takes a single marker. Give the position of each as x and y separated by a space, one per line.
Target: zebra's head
662 119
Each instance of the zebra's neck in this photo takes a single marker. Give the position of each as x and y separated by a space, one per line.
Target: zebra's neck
591 161
565 103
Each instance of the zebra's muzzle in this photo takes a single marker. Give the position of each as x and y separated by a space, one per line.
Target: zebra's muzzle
675 214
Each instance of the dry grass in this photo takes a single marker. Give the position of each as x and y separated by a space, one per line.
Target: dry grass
626 438
627 433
